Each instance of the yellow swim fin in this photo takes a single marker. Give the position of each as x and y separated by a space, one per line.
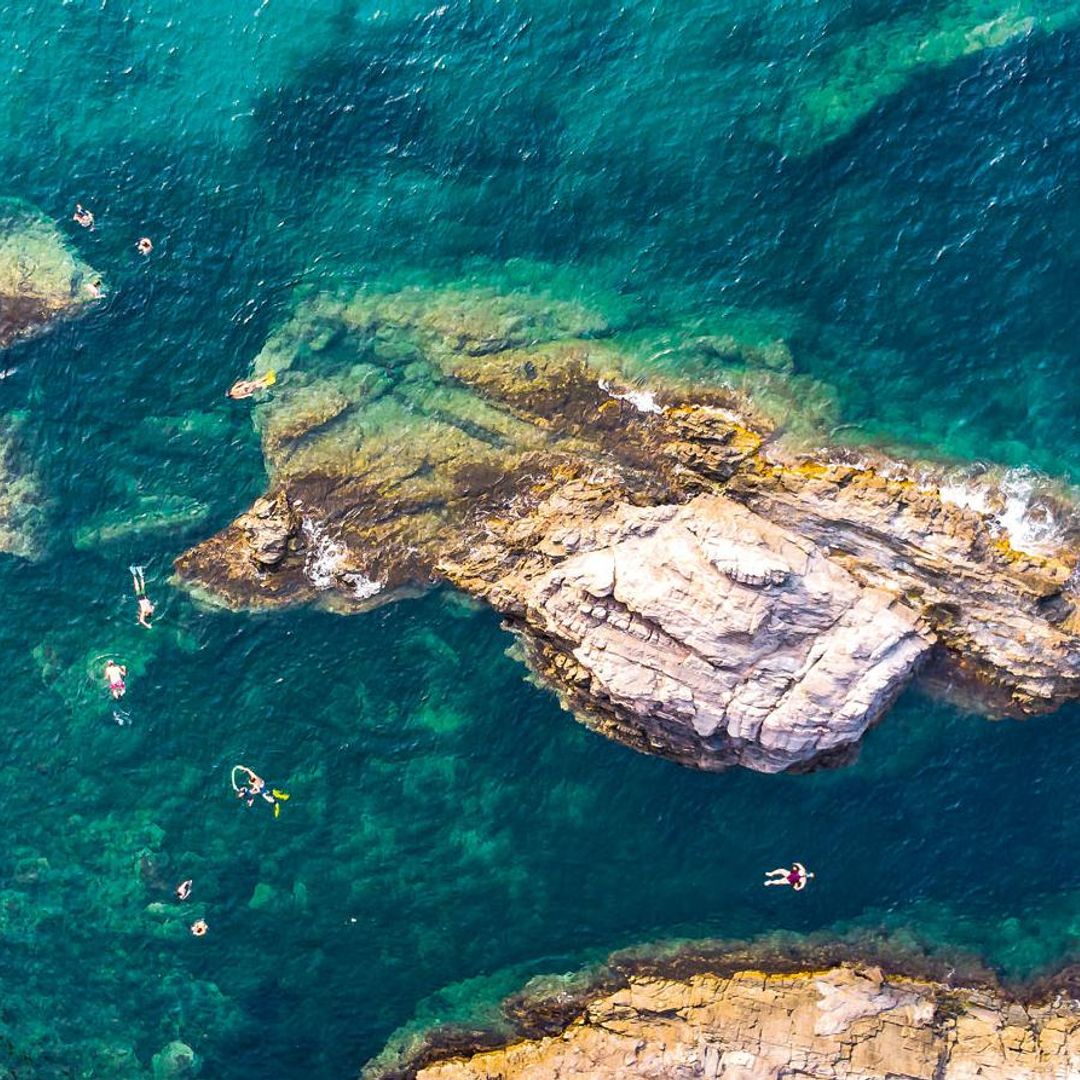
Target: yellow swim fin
277 809
270 378
282 795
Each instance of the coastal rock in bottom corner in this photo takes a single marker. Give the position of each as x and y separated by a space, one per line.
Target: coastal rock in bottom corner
40 278
684 581
847 1022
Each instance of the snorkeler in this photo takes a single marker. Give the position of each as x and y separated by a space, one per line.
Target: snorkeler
796 877
246 387
183 890
199 927
83 216
94 289
146 608
256 788
115 673
144 246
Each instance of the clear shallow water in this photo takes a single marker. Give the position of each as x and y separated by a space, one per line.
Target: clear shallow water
921 263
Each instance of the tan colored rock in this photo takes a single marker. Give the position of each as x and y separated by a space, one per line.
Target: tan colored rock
682 580
843 1023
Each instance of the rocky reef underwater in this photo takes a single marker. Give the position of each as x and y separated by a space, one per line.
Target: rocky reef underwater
41 280
686 557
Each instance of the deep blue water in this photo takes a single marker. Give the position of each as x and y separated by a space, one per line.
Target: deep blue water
920 257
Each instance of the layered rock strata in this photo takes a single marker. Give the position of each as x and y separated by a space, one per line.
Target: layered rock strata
41 280
684 582
848 1022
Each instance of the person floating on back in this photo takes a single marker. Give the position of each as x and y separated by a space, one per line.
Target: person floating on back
246 387
255 788
83 216
146 608
114 674
796 877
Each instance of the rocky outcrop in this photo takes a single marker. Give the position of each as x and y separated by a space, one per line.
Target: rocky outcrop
40 279
846 1022
682 580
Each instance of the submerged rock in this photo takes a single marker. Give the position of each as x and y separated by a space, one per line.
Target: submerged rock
839 84
40 278
741 1018
684 582
176 1061
149 514
22 502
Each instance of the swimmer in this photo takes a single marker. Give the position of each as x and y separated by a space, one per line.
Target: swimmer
183 890
246 387
256 788
796 877
144 246
199 927
95 290
115 673
83 216
146 608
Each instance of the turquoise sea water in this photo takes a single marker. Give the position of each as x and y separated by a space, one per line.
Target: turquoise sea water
449 827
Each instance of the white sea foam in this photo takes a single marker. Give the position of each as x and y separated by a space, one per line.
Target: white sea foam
362 586
642 400
326 559
1013 506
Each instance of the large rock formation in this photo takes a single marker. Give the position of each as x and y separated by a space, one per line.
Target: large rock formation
846 1022
40 278
684 582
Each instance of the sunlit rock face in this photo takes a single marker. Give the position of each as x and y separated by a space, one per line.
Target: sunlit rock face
681 579
844 1022
40 278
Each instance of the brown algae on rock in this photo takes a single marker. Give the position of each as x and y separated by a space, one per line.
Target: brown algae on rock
685 581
